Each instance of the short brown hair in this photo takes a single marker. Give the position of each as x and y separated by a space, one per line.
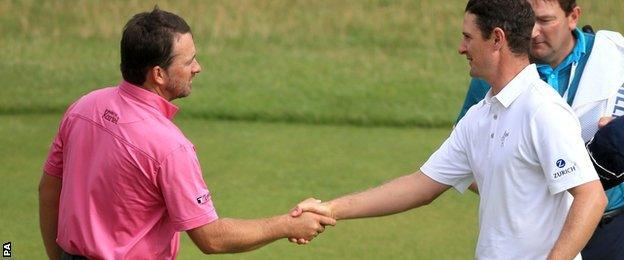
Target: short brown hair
514 17
147 41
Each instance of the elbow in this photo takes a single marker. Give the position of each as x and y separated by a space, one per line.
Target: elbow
213 238
426 200
213 247
41 187
602 201
219 245
429 201
208 251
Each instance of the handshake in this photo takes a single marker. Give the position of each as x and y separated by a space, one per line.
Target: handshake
308 219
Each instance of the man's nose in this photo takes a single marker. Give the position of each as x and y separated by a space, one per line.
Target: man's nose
535 32
462 48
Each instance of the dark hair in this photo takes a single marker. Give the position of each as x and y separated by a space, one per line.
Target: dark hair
147 41
567 5
514 17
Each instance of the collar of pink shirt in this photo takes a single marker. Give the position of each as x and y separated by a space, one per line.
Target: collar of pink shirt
149 98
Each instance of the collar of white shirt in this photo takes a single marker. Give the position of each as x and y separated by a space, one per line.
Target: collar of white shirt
514 88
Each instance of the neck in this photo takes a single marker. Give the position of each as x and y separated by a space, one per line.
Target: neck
150 86
507 69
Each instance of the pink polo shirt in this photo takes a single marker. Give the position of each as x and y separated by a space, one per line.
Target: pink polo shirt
131 180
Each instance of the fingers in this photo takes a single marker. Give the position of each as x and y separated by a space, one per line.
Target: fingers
604 121
320 229
316 207
310 225
299 241
300 208
295 212
315 214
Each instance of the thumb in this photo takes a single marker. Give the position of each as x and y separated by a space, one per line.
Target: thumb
295 212
316 208
326 221
301 207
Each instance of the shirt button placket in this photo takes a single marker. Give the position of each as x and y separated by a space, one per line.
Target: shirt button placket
493 127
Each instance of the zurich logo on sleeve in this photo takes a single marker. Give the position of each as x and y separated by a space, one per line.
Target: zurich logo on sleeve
560 163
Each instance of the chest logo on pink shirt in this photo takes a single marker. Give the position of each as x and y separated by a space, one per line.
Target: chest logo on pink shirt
203 199
110 116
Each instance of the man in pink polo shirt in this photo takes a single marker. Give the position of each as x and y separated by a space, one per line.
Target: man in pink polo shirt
121 180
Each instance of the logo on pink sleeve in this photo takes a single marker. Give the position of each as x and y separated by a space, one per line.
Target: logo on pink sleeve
203 199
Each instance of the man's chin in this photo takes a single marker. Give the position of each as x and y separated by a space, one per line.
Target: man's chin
473 73
185 94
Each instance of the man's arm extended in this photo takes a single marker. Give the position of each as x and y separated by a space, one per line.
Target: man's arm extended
49 196
401 194
234 235
585 213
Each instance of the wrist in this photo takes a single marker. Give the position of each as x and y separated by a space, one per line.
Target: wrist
283 226
331 207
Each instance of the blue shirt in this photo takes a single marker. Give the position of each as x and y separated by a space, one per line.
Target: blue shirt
559 79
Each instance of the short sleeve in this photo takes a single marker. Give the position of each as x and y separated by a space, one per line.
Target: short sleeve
186 196
556 136
53 165
449 164
476 92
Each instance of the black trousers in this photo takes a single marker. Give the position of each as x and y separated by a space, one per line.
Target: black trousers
607 242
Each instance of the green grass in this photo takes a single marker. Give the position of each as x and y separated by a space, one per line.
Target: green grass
258 169
369 62
386 62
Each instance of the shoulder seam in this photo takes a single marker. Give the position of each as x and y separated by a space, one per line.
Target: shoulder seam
115 136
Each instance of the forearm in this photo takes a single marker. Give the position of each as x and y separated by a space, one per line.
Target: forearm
582 219
49 195
234 235
396 196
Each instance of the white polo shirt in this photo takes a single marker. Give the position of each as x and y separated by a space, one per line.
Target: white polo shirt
523 147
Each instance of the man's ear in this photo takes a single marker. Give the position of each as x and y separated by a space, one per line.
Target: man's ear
574 17
157 75
498 36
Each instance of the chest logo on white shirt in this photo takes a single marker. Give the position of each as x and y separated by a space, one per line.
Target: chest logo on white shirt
504 138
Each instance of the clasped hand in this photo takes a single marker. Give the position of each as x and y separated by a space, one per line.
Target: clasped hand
312 207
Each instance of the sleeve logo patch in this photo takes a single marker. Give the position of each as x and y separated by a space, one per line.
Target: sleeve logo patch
560 163
203 199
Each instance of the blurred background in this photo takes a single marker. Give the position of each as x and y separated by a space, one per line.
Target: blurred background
296 99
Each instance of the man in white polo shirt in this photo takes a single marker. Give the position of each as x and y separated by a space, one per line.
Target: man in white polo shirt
521 144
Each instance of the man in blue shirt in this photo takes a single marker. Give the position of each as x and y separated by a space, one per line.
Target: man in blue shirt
562 52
